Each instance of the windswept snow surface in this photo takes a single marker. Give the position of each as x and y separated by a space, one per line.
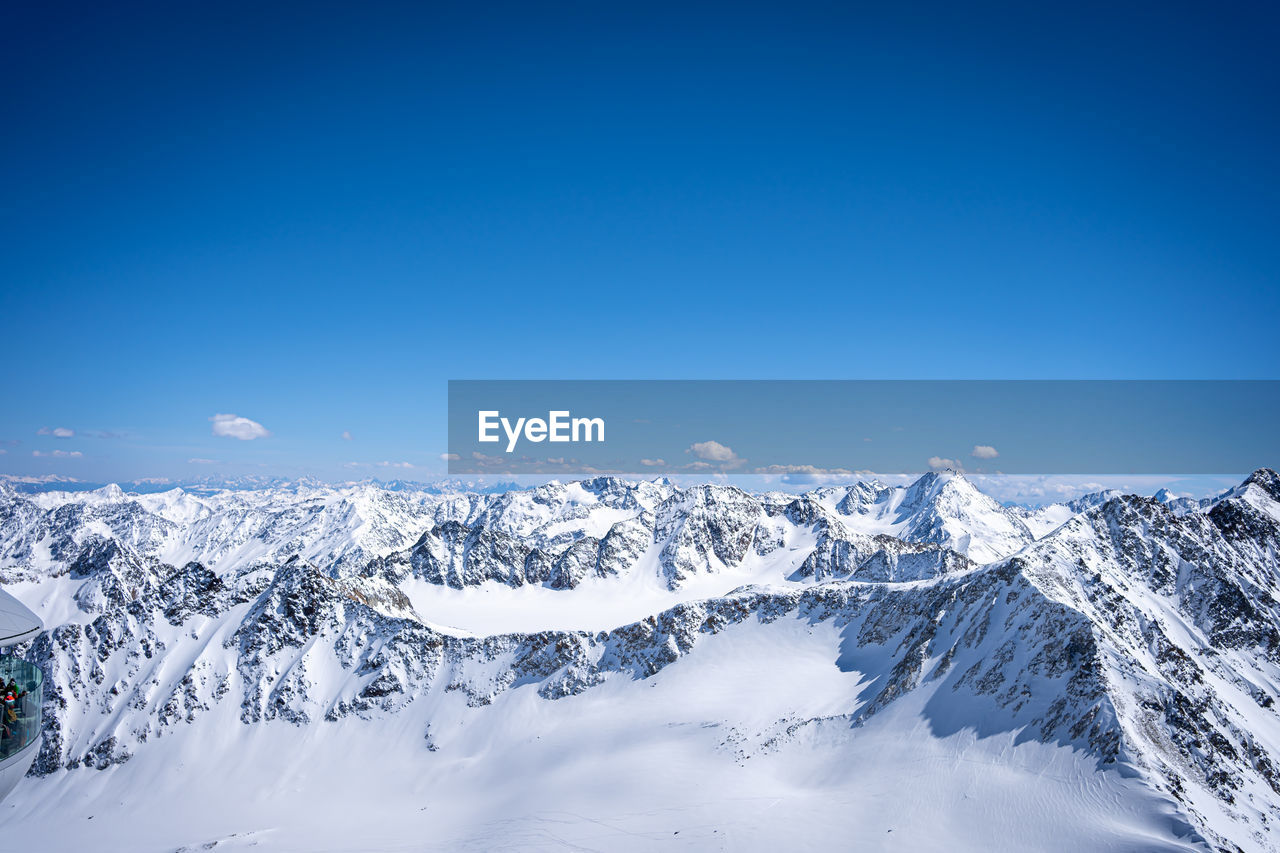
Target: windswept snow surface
679 761
609 665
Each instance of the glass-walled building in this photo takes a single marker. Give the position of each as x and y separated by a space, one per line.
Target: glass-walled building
21 694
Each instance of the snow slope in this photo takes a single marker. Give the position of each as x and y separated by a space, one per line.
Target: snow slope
673 762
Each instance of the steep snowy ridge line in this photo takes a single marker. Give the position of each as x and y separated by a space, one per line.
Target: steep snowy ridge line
1190 632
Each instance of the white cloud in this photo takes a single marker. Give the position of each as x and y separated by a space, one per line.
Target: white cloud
59 454
449 457
810 470
806 475
937 462
383 464
1036 489
653 463
714 451
196 460
984 451
57 432
346 435
234 426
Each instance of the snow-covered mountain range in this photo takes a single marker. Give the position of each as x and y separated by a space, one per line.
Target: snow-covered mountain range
610 664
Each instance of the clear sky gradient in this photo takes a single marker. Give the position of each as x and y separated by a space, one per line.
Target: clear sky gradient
312 217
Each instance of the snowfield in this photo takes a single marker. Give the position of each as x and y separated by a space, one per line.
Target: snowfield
613 665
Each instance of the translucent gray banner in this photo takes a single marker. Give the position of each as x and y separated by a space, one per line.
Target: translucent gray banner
651 427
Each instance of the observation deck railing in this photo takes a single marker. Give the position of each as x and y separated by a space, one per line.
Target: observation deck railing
20 707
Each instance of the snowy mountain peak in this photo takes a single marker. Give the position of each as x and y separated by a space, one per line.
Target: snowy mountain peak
1267 480
931 486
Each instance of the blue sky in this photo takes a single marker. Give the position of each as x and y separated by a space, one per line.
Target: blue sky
313 216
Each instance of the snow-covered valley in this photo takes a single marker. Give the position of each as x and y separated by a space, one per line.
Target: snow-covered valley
614 665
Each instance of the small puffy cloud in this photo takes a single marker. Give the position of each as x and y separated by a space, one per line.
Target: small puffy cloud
57 432
2 450
714 451
196 460
385 464
984 451
653 463
59 454
346 435
234 426
449 457
937 462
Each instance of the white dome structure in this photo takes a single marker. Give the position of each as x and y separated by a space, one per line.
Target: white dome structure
17 623
20 711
